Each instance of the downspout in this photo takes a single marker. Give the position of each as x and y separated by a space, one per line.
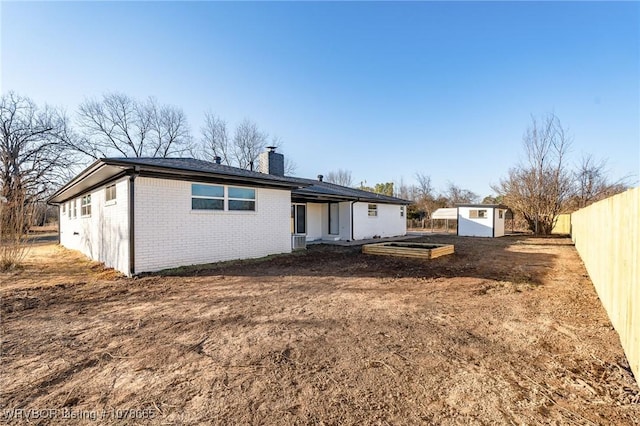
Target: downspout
132 221
352 203
59 220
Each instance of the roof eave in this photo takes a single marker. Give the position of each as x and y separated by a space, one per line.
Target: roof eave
93 169
311 196
112 169
164 171
495 206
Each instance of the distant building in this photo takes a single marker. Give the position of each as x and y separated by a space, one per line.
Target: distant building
481 220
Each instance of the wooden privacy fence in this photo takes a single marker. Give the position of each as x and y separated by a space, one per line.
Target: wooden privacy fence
562 225
439 225
607 237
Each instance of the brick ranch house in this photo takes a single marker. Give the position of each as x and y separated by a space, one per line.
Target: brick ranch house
147 214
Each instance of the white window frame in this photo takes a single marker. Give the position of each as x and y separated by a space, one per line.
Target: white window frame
475 214
208 197
225 198
294 218
110 201
85 206
229 198
73 210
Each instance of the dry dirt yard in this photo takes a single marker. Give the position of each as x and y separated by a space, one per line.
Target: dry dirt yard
506 331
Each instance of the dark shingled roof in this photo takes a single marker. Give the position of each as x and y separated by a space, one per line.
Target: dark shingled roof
318 188
202 166
190 168
310 188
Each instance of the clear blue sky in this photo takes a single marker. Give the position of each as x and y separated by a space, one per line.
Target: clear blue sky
382 89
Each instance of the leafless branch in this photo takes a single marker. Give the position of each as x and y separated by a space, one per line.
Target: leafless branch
540 186
340 177
248 143
122 126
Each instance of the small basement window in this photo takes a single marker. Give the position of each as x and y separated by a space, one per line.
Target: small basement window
207 197
372 210
110 194
478 214
401 211
85 205
241 198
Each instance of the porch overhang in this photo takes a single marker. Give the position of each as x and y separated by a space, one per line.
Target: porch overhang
312 198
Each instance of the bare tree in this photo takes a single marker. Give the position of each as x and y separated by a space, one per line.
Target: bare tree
340 177
33 151
170 133
33 159
456 195
122 126
248 143
424 198
424 188
592 183
290 166
215 139
404 191
539 187
15 215
244 149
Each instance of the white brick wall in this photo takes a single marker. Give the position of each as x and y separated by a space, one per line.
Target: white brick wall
388 223
169 234
104 235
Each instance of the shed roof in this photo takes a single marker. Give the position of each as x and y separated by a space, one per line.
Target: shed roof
490 206
445 213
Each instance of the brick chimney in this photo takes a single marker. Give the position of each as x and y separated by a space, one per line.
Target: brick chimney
271 162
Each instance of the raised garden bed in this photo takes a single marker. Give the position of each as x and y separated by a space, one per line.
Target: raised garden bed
416 250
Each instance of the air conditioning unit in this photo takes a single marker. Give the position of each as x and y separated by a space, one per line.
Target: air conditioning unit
298 242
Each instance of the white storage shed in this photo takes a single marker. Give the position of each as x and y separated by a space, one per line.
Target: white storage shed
481 220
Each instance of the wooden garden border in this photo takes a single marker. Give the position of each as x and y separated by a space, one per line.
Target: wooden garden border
405 250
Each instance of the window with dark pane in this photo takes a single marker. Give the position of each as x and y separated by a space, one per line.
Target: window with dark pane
243 199
207 197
